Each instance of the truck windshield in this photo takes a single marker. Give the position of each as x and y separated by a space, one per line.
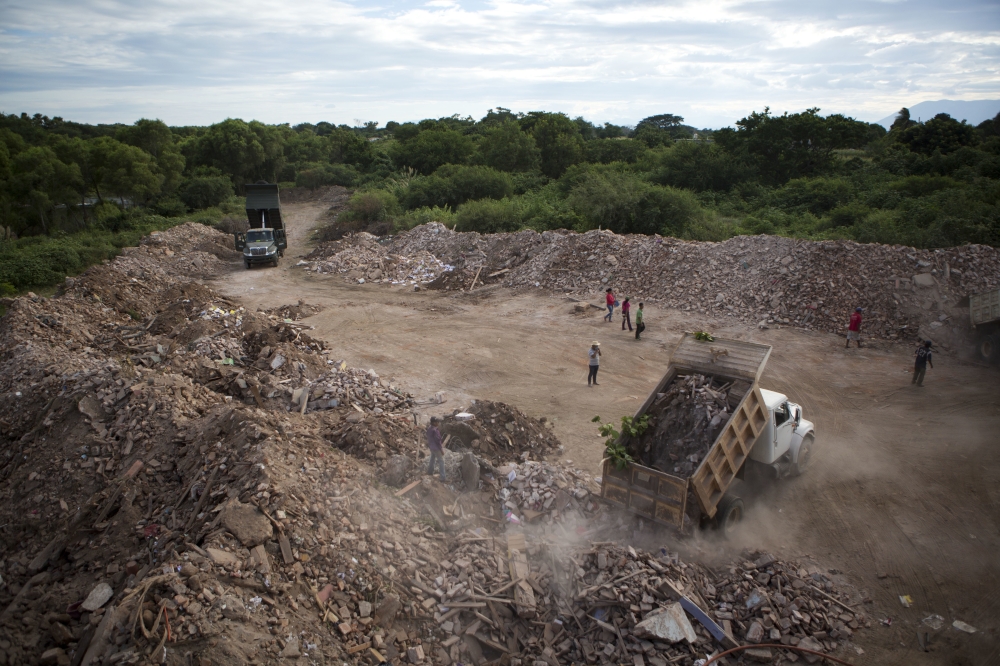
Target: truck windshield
260 236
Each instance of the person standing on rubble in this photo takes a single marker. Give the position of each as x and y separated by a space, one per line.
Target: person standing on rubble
639 326
434 444
595 362
626 314
922 358
611 301
854 328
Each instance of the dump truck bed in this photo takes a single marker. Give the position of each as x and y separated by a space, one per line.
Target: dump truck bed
662 497
264 207
984 308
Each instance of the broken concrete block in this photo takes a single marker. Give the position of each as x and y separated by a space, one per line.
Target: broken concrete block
247 524
221 556
291 649
396 470
97 597
671 625
364 609
386 613
55 656
755 633
470 471
923 280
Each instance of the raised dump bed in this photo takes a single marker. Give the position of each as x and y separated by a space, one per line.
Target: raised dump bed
704 416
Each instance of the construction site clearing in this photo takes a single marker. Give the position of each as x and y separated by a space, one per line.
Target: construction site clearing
188 481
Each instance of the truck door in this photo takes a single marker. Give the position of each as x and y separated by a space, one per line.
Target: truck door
784 425
241 240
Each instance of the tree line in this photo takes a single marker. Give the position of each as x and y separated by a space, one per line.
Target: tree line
927 184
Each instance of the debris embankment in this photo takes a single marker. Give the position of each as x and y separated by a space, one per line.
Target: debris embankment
186 481
758 280
684 421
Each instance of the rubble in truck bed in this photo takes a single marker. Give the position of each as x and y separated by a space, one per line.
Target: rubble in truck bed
177 488
758 280
684 421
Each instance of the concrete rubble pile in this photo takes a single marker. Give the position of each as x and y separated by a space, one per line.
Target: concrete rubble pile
177 488
583 602
499 433
684 421
759 280
361 258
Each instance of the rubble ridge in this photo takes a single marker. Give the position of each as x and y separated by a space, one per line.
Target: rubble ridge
758 280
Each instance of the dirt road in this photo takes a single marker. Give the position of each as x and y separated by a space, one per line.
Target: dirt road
904 492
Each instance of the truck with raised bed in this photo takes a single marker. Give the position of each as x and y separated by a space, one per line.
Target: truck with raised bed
752 433
984 315
265 240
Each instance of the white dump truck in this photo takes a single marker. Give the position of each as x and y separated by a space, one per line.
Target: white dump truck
761 435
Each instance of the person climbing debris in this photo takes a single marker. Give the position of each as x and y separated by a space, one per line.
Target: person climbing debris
434 444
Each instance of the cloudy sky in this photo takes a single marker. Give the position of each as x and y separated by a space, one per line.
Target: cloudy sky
711 61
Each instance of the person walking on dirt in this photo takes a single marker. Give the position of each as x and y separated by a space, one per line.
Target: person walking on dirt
434 444
626 314
854 328
595 362
922 360
611 302
639 326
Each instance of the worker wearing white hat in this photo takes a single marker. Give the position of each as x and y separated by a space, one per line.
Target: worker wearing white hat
595 362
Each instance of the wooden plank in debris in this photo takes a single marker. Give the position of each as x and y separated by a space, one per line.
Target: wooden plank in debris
407 488
286 549
499 272
517 556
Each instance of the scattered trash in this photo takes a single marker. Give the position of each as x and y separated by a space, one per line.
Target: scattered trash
906 600
962 626
935 622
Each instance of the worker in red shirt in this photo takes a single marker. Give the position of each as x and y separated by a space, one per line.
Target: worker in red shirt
854 328
611 302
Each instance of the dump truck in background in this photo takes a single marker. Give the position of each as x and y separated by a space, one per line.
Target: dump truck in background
753 432
265 241
984 314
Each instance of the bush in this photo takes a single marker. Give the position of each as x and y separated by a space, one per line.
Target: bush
368 207
414 218
453 185
626 204
319 175
817 195
606 151
170 207
206 191
489 216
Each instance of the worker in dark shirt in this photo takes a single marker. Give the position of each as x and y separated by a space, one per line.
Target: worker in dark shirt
923 359
434 444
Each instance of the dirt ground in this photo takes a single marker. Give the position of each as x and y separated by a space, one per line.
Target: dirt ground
903 495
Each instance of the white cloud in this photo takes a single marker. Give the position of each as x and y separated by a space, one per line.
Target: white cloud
713 62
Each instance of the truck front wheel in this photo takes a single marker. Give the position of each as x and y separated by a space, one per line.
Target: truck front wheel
246 263
729 514
989 348
805 452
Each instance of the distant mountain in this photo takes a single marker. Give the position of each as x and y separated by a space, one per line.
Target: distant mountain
975 111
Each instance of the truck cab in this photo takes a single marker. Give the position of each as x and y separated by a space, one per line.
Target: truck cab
259 246
785 443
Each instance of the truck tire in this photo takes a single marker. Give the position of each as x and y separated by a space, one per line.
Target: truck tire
729 514
246 263
989 348
805 453
275 262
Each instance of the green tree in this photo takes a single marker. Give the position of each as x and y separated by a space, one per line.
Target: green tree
244 151
505 147
658 130
626 204
699 166
606 151
558 140
941 133
154 137
452 185
206 191
132 173
41 180
429 149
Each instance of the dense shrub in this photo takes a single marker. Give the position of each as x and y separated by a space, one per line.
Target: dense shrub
205 191
452 185
624 203
489 216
